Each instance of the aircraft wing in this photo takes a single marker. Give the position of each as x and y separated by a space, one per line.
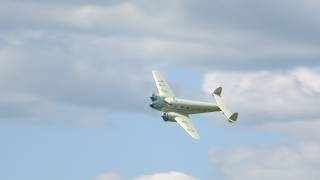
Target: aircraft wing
187 125
162 85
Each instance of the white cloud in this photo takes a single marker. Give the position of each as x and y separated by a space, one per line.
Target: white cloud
278 162
282 101
171 175
108 176
276 93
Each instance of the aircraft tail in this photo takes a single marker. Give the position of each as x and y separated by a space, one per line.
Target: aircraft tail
232 117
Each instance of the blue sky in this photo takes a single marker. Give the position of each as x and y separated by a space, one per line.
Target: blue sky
75 81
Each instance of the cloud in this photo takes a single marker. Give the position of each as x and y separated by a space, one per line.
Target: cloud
108 176
286 94
59 56
91 54
281 101
36 73
284 19
169 31
172 175
301 130
168 175
279 162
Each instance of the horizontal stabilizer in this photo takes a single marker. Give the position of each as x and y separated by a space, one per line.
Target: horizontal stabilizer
232 117
218 91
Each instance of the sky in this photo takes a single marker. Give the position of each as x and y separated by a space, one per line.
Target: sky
75 82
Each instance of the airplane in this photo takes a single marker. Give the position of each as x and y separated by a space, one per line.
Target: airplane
178 110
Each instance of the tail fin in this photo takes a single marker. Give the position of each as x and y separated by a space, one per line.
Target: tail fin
232 117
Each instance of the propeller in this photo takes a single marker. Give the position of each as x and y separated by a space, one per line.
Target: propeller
154 96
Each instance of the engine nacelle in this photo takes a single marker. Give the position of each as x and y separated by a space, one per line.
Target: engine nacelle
154 97
168 117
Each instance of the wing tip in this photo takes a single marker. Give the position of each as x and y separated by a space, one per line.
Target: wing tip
155 71
196 138
156 74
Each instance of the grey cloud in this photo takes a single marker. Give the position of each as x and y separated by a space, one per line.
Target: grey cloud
69 2
306 130
286 20
176 25
91 54
60 73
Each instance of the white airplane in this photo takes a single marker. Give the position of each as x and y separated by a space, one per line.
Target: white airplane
178 110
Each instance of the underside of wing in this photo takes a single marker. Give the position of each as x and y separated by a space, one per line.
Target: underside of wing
187 125
162 85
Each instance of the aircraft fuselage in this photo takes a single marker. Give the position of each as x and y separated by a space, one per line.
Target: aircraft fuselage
183 106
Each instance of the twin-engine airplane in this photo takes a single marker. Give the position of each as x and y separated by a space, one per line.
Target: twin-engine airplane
178 110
